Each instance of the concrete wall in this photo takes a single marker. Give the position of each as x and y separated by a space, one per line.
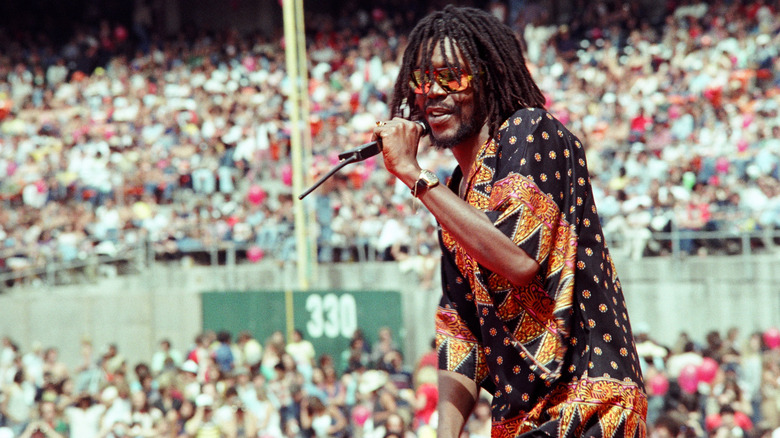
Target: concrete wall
666 295
699 294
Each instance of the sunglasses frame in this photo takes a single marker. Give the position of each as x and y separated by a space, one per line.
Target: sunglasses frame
460 77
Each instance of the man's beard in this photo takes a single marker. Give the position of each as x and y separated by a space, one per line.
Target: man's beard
468 127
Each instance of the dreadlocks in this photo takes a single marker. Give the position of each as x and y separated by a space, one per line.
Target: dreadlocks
503 83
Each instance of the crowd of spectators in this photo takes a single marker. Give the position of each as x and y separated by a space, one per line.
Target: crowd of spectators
220 386
681 121
724 386
183 143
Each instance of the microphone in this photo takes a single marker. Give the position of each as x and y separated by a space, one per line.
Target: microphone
362 152
370 149
357 154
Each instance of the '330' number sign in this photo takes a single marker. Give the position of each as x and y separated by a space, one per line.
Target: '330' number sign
331 315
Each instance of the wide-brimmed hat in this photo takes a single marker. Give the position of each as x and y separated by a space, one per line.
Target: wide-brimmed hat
372 380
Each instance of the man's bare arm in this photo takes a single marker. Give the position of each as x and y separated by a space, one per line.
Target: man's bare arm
457 397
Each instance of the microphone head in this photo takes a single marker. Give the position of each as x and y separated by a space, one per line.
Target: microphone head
424 127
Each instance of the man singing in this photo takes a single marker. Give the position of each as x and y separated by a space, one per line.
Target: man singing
532 309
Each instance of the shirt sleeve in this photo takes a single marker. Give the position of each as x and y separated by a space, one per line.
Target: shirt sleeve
458 348
533 200
459 337
532 195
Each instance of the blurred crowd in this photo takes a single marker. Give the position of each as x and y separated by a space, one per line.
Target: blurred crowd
119 137
724 386
220 386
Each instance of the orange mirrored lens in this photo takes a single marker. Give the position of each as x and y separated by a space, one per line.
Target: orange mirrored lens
451 80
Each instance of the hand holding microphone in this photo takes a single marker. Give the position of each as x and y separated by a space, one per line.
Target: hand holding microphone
398 131
370 149
400 139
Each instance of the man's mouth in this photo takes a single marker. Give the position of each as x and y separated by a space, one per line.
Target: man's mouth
438 114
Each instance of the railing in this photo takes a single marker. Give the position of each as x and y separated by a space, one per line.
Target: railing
681 243
86 268
138 257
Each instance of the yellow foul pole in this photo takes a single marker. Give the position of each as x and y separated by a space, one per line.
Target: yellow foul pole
308 163
298 93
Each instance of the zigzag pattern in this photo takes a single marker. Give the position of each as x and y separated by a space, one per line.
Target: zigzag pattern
458 349
538 225
570 409
536 216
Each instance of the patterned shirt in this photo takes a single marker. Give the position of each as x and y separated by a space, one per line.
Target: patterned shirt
557 354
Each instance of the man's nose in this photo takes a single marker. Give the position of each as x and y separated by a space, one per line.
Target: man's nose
436 89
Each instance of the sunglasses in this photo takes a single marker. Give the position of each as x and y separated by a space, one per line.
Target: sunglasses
452 80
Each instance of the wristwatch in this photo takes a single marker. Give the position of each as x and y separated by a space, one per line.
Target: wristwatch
427 180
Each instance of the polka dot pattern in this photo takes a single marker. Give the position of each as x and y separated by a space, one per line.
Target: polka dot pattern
569 328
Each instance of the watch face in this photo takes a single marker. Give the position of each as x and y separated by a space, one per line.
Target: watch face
430 178
426 181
